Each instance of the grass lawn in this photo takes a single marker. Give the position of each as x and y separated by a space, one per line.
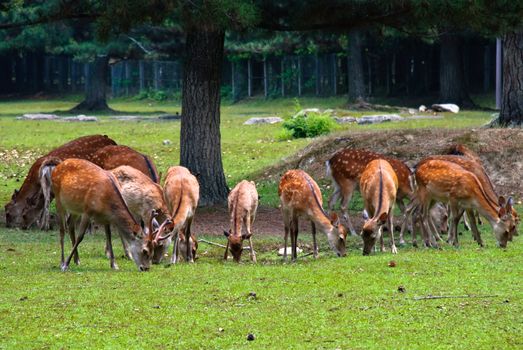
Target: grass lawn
329 303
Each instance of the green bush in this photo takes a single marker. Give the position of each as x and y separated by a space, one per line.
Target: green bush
310 125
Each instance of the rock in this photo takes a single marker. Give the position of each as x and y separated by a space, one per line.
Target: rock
401 289
266 120
80 118
166 142
392 263
175 116
128 117
251 337
425 117
409 137
38 116
422 108
345 120
328 111
289 251
412 111
380 118
446 107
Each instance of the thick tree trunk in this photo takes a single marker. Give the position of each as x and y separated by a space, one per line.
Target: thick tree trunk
511 113
200 130
355 66
453 86
95 86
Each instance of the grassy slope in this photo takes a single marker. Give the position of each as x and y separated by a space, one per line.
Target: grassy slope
330 303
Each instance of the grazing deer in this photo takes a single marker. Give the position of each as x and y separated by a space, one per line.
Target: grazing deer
182 245
30 198
144 199
443 181
113 156
181 192
84 190
378 186
345 169
300 196
242 203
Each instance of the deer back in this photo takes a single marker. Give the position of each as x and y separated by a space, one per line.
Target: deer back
113 156
181 192
242 200
378 187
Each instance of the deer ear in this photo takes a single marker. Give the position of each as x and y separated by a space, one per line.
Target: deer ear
246 236
383 218
137 229
502 211
365 215
501 201
510 203
226 233
335 220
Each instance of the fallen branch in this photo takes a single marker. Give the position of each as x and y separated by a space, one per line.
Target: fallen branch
304 255
429 297
218 244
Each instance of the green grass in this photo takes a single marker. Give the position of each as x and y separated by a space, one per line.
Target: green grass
329 303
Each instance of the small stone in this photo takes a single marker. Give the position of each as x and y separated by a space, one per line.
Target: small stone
401 289
24 298
252 295
166 142
506 301
156 306
392 263
251 337
340 295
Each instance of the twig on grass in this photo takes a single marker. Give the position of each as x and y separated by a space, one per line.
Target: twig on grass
304 255
218 244
429 297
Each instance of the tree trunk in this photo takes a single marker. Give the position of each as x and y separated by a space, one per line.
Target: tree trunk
511 113
200 146
355 67
95 86
453 86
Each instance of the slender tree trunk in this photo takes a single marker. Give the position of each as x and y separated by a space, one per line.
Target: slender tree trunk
355 66
95 86
200 146
453 86
511 113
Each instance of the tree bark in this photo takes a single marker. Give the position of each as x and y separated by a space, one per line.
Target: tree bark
200 146
453 86
355 66
511 113
95 86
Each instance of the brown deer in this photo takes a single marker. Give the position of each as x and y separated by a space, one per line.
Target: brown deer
378 187
30 197
242 203
181 192
85 191
439 180
113 156
300 196
144 199
345 169
182 244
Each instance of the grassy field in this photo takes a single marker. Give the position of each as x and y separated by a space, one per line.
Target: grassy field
329 303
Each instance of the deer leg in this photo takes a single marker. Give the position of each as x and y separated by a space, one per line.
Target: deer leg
382 243
335 195
61 223
407 217
474 227
466 221
226 254
253 254
247 223
429 238
391 230
345 201
187 230
109 245
174 257
434 229
84 221
456 216
294 237
72 236
286 224
314 242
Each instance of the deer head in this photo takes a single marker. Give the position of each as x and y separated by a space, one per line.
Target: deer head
337 236
236 243
371 231
505 227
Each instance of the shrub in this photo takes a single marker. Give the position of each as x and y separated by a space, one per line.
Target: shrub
310 125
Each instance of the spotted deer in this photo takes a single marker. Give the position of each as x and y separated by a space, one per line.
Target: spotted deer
25 207
242 203
345 169
144 199
439 180
181 192
85 191
300 196
378 187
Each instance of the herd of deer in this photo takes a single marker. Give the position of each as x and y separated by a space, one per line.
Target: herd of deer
94 180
